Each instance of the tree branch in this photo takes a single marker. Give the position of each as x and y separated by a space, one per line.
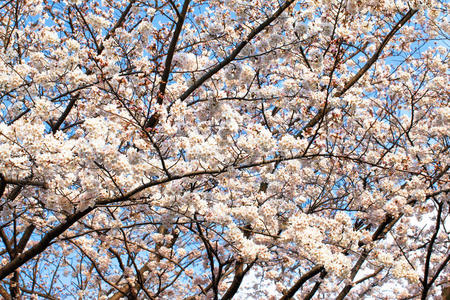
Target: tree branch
305 277
239 275
3 184
363 70
42 244
66 112
171 52
24 182
25 238
236 51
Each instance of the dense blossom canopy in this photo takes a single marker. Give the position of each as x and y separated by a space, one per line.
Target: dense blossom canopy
219 149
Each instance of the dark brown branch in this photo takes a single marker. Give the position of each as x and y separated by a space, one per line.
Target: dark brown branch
377 54
4 294
171 52
316 286
55 127
236 51
7 243
117 25
305 277
380 233
24 182
42 244
439 270
363 70
426 284
3 184
42 295
25 238
66 112
440 174
369 276
302 52
239 275
88 28
153 120
23 113
145 186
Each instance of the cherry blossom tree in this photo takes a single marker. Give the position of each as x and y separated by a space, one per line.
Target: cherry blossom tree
224 149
